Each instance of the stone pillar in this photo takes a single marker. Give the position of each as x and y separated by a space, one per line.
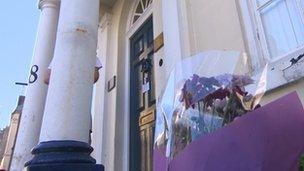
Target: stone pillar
66 122
31 119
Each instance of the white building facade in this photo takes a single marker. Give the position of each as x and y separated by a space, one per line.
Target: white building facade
138 43
188 27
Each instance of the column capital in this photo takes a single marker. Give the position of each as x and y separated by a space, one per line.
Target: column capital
48 4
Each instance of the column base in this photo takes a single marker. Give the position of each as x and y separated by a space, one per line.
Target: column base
62 156
65 167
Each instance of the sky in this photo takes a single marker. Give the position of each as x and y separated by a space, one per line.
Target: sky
18 27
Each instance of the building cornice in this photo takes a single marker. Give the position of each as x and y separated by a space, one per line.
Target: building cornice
48 4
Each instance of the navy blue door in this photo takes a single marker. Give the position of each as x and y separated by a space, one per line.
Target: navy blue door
142 98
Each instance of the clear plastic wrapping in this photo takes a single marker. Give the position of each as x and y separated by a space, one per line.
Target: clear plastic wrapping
204 93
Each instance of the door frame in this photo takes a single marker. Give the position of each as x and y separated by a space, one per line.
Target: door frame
131 29
148 19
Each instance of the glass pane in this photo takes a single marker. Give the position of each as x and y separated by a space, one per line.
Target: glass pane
139 9
140 95
152 82
136 17
261 2
301 2
138 46
150 36
282 27
145 3
297 21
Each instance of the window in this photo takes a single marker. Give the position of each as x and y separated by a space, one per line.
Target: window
274 31
141 7
280 26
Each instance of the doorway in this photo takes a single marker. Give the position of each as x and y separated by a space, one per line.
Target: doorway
142 98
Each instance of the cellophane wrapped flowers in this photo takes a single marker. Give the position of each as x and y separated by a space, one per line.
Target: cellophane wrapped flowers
208 104
202 101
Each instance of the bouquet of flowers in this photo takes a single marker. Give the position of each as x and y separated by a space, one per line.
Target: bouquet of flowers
200 97
208 104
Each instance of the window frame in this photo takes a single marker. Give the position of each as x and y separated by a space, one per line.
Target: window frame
257 47
144 7
261 33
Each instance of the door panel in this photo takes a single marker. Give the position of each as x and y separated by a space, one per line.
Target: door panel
142 98
147 125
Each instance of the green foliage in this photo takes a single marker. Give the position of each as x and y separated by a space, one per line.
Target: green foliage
301 163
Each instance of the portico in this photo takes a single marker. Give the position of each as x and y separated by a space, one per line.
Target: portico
66 121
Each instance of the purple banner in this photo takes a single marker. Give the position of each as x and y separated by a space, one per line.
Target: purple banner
270 138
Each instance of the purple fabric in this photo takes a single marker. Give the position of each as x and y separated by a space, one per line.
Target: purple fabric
159 161
270 138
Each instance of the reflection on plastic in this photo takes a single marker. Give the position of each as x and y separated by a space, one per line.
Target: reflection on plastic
204 93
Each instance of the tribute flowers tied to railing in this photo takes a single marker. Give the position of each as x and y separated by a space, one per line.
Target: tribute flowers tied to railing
209 104
209 117
204 93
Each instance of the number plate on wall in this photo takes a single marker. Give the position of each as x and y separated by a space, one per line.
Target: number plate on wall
147 116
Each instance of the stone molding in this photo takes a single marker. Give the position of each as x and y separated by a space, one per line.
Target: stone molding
105 21
48 4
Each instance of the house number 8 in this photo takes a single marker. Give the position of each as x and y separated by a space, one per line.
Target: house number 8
33 77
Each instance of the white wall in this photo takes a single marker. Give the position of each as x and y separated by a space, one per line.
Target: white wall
219 25
161 73
105 126
215 25
104 121
297 86
100 87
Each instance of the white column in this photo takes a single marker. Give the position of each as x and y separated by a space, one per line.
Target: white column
31 119
68 105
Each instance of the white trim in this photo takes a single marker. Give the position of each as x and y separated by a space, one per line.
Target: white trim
261 7
97 135
130 31
126 117
255 34
127 99
261 31
301 8
251 33
144 7
257 46
133 27
127 107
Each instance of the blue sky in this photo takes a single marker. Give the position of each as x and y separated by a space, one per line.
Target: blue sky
19 21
